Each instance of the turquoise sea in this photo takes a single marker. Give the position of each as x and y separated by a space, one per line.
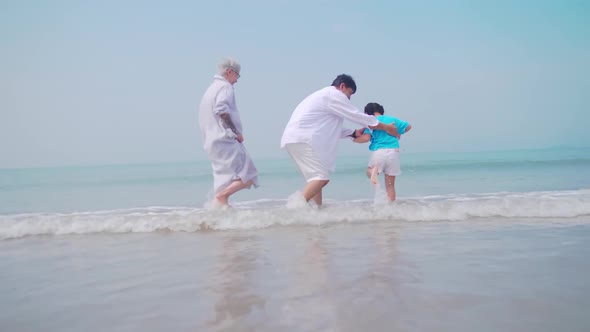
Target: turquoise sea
436 186
483 241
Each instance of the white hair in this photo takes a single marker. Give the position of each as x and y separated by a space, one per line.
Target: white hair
229 63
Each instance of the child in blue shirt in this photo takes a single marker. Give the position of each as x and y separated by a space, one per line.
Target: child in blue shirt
385 156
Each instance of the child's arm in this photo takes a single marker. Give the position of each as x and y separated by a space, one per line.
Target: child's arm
364 138
408 128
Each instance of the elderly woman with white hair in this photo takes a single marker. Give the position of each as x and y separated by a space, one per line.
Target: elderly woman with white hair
221 129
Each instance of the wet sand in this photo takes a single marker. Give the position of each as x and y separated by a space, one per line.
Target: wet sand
515 275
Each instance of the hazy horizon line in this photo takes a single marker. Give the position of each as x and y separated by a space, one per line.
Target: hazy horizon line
192 161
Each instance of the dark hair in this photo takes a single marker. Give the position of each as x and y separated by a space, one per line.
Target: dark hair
371 108
347 80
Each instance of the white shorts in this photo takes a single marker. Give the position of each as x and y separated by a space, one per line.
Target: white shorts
386 161
308 163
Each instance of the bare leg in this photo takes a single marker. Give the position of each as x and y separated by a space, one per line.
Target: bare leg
390 187
223 196
313 189
374 175
318 198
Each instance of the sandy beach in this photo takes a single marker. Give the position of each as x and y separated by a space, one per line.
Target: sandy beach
486 275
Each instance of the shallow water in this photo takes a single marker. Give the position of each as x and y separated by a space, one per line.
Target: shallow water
490 241
526 274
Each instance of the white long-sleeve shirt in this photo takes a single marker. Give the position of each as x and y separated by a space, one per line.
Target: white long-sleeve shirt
218 99
317 120
229 159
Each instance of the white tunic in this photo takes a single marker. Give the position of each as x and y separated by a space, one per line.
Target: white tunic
229 159
317 120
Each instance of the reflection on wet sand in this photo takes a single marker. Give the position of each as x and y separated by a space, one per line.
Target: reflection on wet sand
234 287
368 295
384 268
382 276
310 303
323 289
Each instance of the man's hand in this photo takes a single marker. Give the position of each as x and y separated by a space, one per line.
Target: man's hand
240 138
359 132
391 129
364 138
360 136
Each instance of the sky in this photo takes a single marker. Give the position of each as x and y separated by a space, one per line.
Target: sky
113 82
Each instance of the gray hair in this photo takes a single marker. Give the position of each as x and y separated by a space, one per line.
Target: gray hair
229 63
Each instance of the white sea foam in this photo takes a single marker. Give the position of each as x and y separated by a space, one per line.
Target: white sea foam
267 212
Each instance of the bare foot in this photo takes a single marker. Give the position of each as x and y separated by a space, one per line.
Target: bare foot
222 200
214 204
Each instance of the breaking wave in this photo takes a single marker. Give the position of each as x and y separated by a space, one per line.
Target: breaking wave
270 212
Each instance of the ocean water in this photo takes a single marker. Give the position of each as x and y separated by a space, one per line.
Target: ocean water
140 198
132 248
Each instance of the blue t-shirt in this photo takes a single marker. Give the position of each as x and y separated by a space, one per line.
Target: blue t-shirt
382 140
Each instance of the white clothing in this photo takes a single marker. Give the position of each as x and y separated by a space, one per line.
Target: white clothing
386 161
308 163
317 120
229 159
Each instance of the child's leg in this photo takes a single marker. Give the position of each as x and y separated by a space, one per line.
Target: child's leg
373 167
374 175
390 187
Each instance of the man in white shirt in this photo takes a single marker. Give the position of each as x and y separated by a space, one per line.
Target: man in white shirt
312 134
221 129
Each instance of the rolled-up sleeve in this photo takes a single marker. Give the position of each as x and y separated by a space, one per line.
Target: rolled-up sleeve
223 99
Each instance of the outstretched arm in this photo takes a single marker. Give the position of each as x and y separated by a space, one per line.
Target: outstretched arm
342 107
391 129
